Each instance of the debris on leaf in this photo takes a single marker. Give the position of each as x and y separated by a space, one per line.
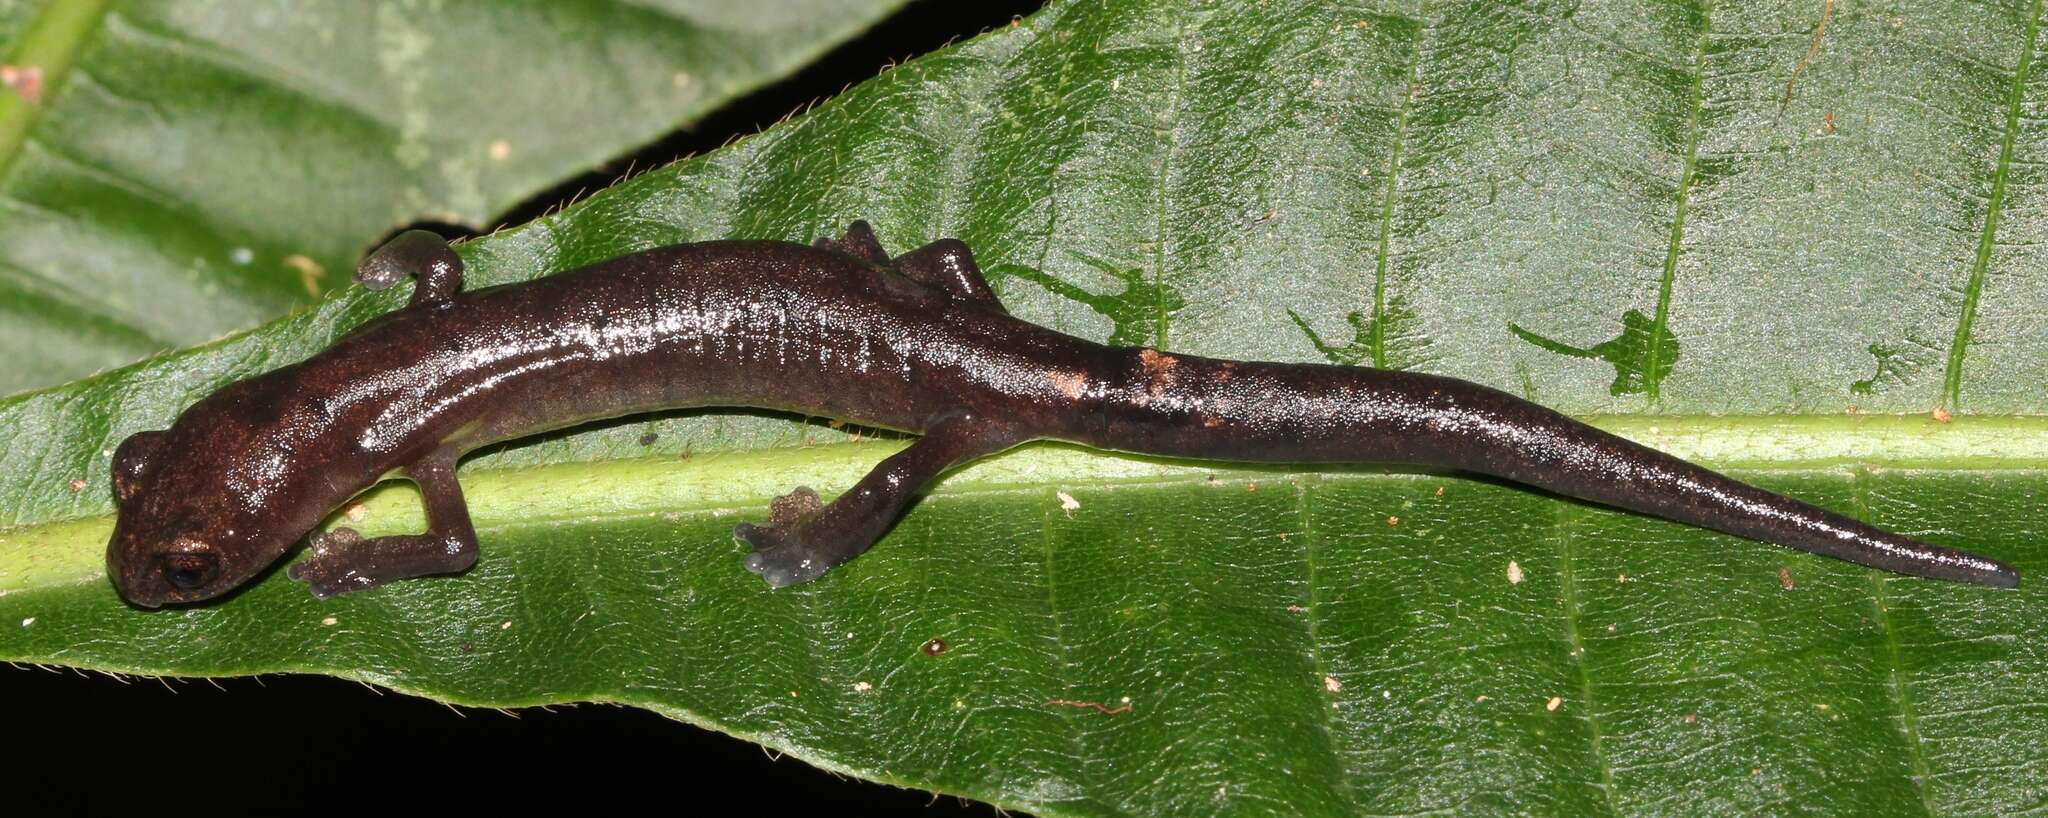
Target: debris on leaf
26 80
1120 709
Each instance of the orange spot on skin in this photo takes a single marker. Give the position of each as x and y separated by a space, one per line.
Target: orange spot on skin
1070 384
1160 368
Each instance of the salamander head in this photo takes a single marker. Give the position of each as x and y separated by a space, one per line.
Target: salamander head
178 536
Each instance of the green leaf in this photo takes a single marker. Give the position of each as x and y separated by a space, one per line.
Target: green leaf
184 171
1774 196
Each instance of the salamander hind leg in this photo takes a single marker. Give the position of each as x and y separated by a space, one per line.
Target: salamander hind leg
804 538
345 561
948 264
414 253
859 242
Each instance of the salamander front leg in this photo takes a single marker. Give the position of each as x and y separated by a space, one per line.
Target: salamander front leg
344 561
414 253
804 538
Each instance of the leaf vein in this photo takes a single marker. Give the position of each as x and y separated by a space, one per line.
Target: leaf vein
1180 71
1902 699
1568 595
1387 201
1333 736
1653 358
1952 381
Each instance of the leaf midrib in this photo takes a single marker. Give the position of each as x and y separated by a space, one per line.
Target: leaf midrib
52 42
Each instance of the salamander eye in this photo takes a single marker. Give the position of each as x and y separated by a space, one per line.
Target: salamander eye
190 570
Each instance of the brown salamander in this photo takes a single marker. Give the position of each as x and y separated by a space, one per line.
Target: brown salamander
838 329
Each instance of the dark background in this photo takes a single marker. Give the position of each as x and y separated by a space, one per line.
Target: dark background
87 742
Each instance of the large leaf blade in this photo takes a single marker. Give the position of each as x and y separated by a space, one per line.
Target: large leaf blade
1318 642
183 171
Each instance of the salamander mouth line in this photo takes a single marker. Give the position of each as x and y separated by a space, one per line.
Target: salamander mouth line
71 551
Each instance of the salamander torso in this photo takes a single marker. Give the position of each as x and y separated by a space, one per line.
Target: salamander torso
838 329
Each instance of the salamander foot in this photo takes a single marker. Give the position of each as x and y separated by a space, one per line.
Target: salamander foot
332 571
784 554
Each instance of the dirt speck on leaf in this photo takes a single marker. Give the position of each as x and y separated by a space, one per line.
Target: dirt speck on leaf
25 80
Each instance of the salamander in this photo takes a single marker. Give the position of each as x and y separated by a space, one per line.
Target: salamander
838 329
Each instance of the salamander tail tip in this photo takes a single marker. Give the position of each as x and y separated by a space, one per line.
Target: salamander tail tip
1987 572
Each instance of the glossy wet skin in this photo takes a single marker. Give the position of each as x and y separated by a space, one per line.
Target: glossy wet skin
917 342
